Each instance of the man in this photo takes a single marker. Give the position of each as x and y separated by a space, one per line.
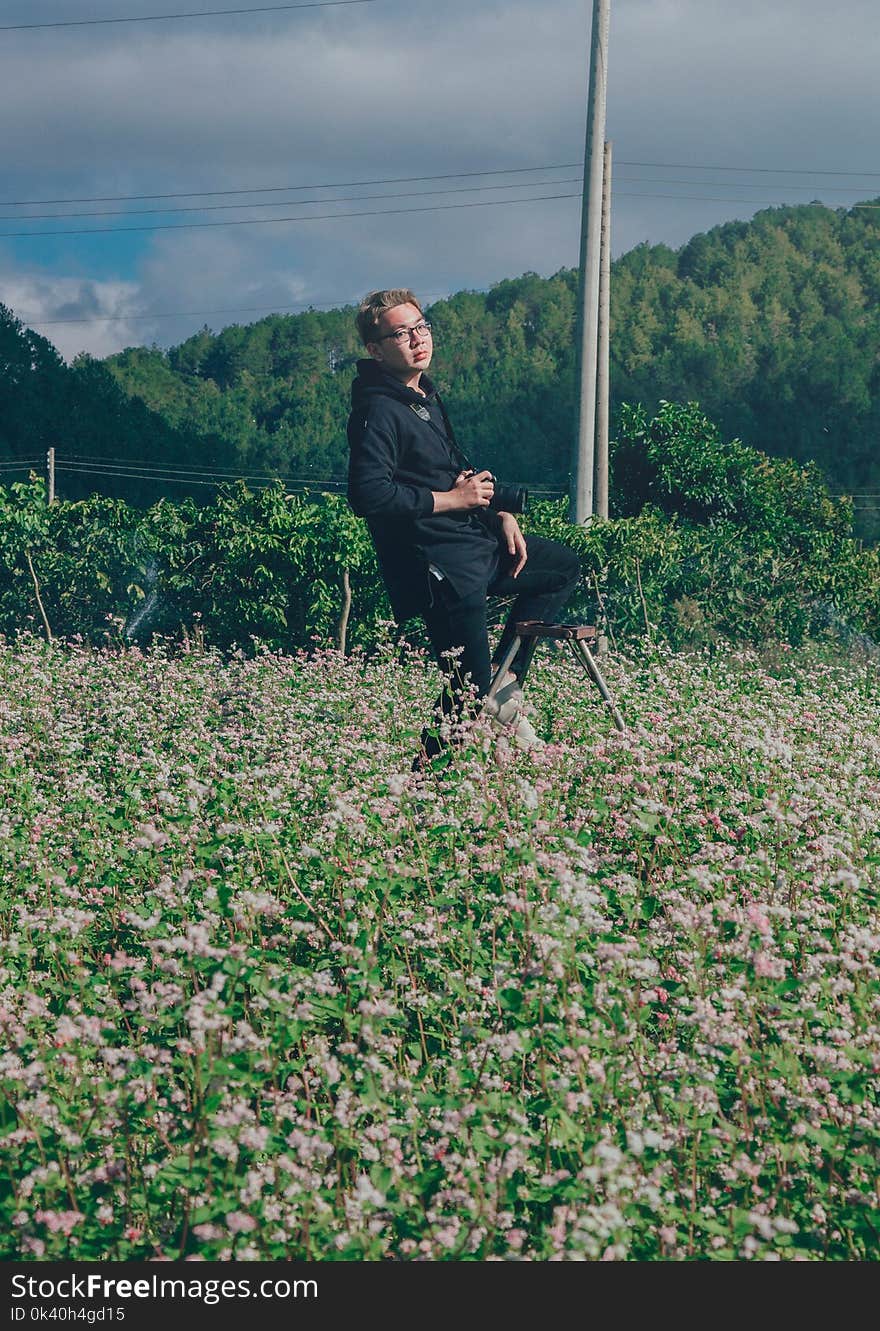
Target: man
443 538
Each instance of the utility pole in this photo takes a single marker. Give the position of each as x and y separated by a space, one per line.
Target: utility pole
603 370
50 476
581 503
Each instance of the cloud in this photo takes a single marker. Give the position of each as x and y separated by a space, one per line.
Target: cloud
397 89
37 297
317 95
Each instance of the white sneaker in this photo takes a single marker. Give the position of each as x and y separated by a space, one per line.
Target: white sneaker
525 735
509 719
506 705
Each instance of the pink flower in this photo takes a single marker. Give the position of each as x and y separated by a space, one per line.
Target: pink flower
769 967
59 1222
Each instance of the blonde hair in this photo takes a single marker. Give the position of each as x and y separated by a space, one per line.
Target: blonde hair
374 305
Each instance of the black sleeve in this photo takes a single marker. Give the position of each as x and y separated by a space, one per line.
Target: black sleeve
373 488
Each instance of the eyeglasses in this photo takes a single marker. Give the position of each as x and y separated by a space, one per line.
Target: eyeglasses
401 335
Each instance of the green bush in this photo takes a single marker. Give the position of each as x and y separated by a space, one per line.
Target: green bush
710 542
261 565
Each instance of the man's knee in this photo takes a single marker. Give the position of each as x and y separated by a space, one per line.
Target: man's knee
553 554
567 566
572 564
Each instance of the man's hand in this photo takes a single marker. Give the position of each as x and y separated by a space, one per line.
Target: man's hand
516 542
475 488
472 489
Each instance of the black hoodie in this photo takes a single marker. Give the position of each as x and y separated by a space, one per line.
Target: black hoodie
400 451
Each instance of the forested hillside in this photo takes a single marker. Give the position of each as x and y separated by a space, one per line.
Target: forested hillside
85 413
771 325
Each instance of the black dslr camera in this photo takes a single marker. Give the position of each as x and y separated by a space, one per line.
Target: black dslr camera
508 498
511 498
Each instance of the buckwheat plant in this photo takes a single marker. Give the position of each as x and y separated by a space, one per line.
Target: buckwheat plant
267 994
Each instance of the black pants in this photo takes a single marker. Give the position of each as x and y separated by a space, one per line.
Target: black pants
459 624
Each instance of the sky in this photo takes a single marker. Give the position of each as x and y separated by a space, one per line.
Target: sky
296 144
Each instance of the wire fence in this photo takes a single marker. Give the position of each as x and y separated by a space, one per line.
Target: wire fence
137 469
140 471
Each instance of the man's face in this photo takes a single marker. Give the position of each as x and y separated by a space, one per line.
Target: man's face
407 357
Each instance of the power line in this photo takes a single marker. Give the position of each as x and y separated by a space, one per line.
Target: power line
136 469
161 18
85 459
357 198
186 480
280 189
397 212
758 170
159 477
337 302
217 473
274 221
334 485
687 198
298 203
164 480
408 180
720 184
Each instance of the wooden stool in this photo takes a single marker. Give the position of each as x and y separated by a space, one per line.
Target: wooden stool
580 637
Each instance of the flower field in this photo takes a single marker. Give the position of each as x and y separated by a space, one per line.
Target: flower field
266 994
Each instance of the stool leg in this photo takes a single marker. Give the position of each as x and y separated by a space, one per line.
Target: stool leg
504 666
585 657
